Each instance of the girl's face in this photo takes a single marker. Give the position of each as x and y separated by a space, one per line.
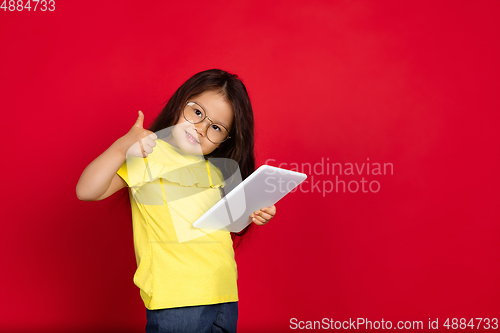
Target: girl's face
192 138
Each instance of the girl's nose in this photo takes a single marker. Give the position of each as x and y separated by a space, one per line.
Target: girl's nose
198 131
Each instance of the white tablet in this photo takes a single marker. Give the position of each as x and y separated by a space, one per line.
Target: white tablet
263 188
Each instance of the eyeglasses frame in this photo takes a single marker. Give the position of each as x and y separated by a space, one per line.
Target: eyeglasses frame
206 117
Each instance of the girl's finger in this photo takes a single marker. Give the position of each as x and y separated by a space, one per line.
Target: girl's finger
259 223
264 215
258 218
270 210
145 147
149 142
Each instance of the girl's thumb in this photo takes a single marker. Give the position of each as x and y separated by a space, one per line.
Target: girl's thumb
140 120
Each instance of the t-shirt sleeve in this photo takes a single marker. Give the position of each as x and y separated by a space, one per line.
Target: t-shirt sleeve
123 173
136 171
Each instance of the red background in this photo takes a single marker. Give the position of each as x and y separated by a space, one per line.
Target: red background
415 84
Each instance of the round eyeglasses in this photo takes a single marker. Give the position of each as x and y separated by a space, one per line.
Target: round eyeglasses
195 114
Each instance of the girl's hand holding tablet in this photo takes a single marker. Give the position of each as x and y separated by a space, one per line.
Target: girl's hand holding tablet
138 142
262 216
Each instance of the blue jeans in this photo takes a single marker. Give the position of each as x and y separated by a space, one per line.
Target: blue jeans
212 318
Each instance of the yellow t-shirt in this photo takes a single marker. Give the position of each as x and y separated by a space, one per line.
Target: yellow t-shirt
177 264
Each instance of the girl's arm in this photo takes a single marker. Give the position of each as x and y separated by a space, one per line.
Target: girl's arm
99 179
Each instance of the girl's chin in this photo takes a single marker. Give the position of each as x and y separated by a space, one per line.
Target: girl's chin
189 147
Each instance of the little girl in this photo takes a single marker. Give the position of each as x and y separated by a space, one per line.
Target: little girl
187 276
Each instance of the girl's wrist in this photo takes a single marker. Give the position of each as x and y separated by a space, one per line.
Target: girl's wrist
120 146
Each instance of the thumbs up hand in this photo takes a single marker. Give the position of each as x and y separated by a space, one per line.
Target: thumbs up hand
139 142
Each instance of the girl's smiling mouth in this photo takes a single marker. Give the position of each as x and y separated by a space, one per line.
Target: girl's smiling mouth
191 138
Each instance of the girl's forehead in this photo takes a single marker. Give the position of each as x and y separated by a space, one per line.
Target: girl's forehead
216 106
211 96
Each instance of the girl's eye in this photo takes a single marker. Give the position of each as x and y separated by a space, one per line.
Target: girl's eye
215 127
198 113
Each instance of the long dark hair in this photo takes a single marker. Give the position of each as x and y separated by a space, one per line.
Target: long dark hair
240 147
